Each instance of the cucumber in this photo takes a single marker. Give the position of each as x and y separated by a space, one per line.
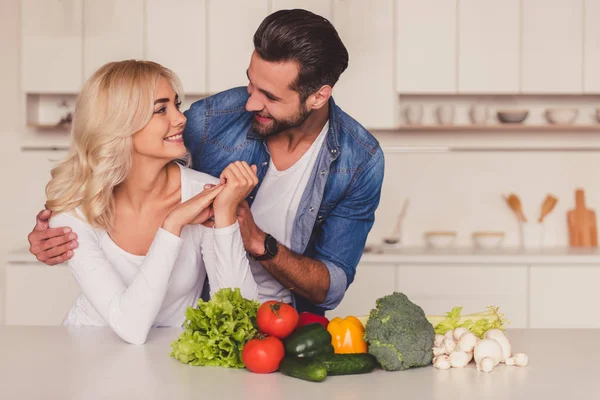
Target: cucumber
348 364
302 368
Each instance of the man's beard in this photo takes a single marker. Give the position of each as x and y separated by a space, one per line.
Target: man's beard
277 126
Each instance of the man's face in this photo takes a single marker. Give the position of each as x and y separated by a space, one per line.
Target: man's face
276 107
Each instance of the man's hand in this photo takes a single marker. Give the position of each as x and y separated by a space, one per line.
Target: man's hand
252 236
51 245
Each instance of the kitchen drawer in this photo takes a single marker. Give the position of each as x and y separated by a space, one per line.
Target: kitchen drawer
38 294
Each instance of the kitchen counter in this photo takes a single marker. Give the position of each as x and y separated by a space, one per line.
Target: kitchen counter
422 255
93 363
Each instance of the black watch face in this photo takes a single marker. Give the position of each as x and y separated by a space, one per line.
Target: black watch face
271 245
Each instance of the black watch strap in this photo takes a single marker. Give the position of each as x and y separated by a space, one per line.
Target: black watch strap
271 247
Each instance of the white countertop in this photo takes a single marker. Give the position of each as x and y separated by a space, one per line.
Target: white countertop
423 255
93 363
467 255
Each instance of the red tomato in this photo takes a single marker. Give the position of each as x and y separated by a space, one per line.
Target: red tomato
306 318
263 355
276 319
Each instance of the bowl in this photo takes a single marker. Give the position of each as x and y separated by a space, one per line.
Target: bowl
512 116
440 239
488 240
561 116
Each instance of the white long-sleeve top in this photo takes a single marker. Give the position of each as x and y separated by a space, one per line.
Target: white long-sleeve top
132 293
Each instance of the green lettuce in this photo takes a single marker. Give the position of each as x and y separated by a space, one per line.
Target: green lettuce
216 332
478 323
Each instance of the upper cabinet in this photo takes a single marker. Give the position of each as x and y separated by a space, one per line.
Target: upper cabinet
489 46
231 27
181 25
51 37
113 31
591 52
319 7
552 46
425 46
365 90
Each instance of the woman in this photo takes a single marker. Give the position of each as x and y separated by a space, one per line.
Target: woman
143 254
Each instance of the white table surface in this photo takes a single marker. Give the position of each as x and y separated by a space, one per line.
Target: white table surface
93 363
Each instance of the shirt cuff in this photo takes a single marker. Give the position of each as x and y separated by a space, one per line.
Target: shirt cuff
228 230
164 236
337 286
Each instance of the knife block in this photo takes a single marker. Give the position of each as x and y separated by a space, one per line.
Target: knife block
583 231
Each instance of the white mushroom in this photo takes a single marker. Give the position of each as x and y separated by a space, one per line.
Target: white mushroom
439 340
438 351
442 362
467 342
486 365
458 332
449 334
459 359
449 345
519 359
500 337
487 348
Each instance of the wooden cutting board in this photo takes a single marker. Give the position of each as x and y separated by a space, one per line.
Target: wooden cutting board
582 223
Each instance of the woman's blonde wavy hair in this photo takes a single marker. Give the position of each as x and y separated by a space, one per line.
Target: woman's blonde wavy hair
115 102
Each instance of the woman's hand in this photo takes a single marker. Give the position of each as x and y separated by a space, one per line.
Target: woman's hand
239 179
193 211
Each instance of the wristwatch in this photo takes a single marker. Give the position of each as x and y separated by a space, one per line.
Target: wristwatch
271 247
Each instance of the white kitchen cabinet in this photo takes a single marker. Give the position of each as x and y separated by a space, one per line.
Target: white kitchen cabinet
320 7
552 46
372 281
38 294
565 297
591 51
113 31
488 46
426 46
183 24
439 288
51 46
231 27
365 90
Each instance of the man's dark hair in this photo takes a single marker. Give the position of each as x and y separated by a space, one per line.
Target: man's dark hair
308 39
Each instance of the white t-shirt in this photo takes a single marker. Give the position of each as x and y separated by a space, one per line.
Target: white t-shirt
132 293
275 208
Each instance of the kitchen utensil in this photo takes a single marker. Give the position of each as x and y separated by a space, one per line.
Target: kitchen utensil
583 231
440 239
532 235
445 114
512 116
514 203
395 238
414 114
561 116
478 114
547 206
487 239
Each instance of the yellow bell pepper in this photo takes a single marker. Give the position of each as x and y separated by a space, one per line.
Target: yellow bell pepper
347 335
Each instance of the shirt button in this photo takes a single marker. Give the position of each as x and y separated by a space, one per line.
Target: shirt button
265 163
311 209
333 151
323 173
251 197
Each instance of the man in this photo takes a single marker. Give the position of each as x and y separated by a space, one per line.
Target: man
320 172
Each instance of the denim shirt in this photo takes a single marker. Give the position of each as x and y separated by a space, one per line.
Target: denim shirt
337 209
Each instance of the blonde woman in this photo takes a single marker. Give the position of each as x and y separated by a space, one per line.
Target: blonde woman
143 252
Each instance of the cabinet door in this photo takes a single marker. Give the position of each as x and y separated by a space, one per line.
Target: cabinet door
552 46
320 7
51 46
565 297
591 71
426 46
113 31
439 288
38 295
231 27
365 90
372 281
489 44
181 25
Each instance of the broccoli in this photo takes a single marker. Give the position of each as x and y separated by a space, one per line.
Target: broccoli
398 333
